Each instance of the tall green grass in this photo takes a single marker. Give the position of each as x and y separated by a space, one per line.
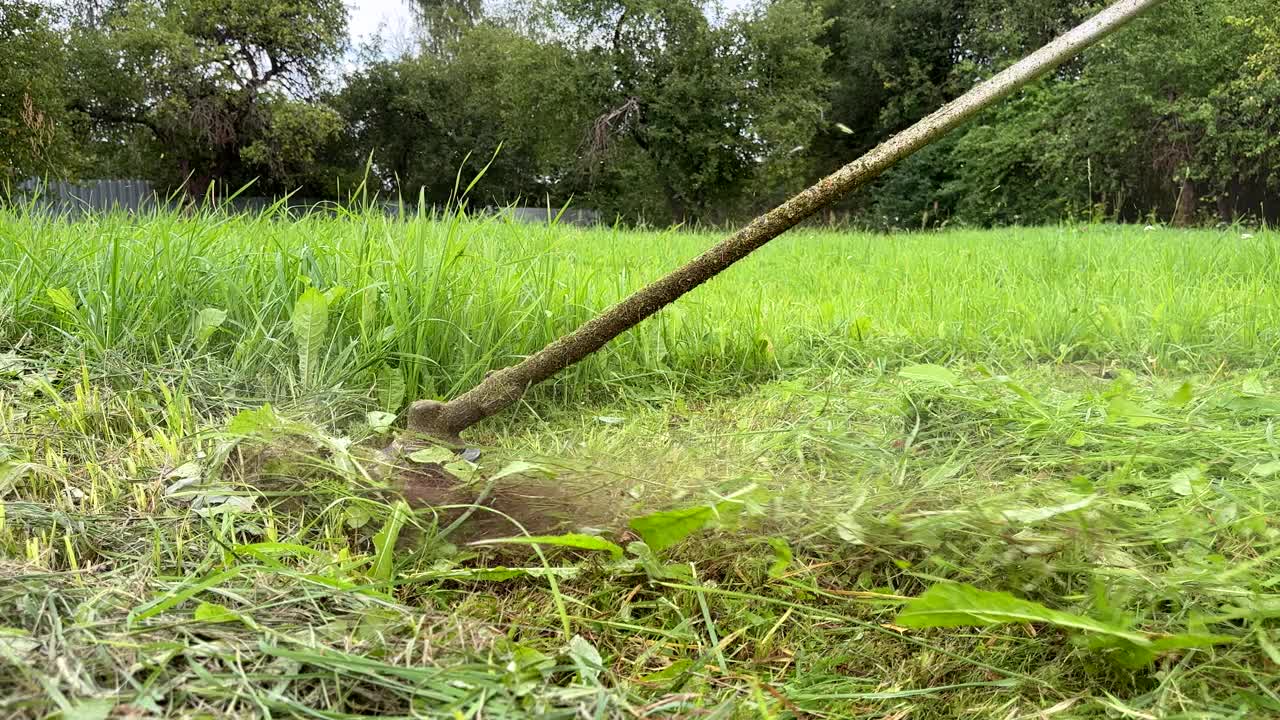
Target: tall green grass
425 306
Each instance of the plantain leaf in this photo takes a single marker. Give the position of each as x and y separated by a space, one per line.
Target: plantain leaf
781 557
389 388
958 605
586 658
89 709
214 613
63 300
1266 469
208 321
368 310
263 422
384 543
434 454
1186 481
380 421
1122 409
935 374
1183 394
520 467
661 530
1036 514
955 605
310 323
573 540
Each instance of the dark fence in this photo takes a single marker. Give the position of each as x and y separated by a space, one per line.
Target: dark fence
66 198
569 216
139 196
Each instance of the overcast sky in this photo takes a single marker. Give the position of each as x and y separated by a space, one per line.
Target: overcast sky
367 15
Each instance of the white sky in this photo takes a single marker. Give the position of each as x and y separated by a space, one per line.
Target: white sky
366 16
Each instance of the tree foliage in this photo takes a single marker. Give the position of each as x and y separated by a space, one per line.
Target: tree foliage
1139 128
36 137
226 89
657 110
498 99
1160 121
712 109
442 23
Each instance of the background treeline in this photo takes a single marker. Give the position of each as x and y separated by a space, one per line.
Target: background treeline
654 110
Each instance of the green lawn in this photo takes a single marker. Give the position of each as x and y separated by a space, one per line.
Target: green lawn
1080 417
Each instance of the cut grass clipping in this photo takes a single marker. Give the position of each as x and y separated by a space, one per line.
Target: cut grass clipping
1017 473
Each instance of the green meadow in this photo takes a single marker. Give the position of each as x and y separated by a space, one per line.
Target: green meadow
1015 473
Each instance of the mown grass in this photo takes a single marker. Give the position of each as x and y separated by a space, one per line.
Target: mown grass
1100 442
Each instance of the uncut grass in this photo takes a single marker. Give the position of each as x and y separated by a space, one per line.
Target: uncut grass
436 303
880 485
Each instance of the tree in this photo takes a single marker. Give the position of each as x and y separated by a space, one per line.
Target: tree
1012 167
1144 112
891 63
1253 131
1143 127
444 22
92 13
496 97
35 130
225 90
709 107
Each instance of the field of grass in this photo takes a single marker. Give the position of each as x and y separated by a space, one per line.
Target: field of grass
1025 473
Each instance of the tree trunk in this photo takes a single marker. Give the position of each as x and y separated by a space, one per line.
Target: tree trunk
1226 213
444 421
1227 200
1184 214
